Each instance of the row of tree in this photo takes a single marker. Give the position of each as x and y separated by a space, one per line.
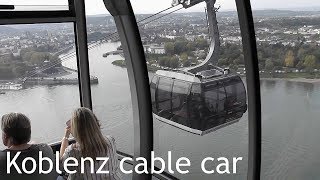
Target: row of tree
182 45
12 67
270 56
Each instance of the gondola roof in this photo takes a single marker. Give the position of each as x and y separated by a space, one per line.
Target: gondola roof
201 77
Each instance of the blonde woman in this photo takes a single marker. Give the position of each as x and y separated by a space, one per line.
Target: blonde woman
90 143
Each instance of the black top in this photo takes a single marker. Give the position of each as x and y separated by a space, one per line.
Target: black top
32 152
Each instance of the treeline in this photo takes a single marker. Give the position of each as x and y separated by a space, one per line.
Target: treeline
35 57
179 52
303 56
12 67
289 22
274 56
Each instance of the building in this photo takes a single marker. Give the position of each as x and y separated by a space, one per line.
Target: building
154 49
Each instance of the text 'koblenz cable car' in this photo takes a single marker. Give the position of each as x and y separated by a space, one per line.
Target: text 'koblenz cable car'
203 98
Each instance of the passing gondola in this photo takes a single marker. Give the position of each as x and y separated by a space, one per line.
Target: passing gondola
203 98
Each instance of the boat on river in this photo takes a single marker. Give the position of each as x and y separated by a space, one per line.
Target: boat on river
10 86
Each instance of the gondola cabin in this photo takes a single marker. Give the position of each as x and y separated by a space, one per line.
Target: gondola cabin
200 103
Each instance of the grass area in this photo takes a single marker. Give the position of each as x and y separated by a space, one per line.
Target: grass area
121 63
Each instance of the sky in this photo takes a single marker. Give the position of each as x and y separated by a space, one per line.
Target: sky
151 6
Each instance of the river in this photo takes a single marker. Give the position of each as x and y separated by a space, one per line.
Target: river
290 122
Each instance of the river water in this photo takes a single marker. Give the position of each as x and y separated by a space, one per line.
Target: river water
290 114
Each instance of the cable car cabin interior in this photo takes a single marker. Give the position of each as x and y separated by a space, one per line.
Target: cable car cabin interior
199 104
198 99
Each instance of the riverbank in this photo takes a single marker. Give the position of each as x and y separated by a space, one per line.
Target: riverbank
66 76
122 63
303 80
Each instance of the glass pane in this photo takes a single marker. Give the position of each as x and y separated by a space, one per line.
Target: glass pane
288 54
180 102
235 91
36 5
153 86
36 77
174 42
164 97
111 95
195 103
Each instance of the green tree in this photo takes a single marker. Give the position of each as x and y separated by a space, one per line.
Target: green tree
191 46
174 62
184 56
269 65
163 61
310 62
169 48
301 53
37 58
222 62
180 47
201 43
187 63
289 59
18 71
300 65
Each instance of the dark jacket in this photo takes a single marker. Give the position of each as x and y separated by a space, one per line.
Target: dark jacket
32 152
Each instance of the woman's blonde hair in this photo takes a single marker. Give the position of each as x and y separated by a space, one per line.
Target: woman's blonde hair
85 128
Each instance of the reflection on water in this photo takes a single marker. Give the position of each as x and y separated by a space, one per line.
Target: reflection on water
290 112
290 122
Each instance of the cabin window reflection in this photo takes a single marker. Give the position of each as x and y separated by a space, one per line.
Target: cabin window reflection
180 101
235 93
153 87
195 106
211 96
164 97
215 97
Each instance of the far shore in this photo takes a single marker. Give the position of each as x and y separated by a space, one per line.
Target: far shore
303 80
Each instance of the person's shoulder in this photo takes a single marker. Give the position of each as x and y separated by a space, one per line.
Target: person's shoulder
44 148
41 146
3 155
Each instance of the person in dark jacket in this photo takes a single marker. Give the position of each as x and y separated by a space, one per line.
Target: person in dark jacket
16 135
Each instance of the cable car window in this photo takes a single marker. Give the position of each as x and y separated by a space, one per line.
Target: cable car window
188 47
111 98
215 97
164 97
153 86
38 77
211 97
290 98
180 101
195 104
236 95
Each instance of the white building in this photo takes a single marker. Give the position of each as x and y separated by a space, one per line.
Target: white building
154 49
10 86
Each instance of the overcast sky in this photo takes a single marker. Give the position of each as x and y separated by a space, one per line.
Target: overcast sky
151 6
